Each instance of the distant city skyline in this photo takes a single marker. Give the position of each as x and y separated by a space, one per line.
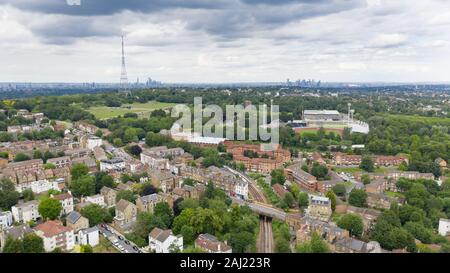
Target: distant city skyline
226 41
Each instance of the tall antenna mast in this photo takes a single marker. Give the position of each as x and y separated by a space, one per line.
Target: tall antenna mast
123 76
349 113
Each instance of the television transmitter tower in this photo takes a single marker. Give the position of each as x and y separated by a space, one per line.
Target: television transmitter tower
124 89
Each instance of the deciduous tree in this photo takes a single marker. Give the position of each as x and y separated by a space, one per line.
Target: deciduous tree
50 208
278 177
33 244
8 194
367 164
332 197
358 198
353 223
79 170
83 186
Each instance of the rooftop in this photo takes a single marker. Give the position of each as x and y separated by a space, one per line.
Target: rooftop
210 242
73 217
113 161
160 235
63 196
26 204
90 230
319 198
18 231
150 198
321 112
123 204
52 228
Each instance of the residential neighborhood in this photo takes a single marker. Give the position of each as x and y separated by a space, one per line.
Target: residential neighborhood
81 193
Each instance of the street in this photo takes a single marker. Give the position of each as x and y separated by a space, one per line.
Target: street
118 241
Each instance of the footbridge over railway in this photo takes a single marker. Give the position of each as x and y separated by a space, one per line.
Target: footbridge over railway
263 209
294 220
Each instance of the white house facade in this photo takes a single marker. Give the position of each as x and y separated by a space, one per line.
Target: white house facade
444 227
89 236
26 212
55 235
163 241
38 186
96 199
6 219
241 189
93 142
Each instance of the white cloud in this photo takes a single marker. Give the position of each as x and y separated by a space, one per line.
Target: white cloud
352 66
388 40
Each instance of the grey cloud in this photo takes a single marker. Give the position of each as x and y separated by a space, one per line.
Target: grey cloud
241 23
108 7
283 2
66 31
225 20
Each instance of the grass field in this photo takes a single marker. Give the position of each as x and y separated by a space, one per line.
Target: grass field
142 109
353 170
394 194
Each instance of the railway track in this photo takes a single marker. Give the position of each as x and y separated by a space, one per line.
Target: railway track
256 194
265 236
265 240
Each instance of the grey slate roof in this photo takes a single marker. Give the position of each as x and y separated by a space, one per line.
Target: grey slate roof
73 217
18 231
152 198
90 230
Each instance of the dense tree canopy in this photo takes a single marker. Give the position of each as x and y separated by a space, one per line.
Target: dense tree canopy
96 214
83 186
50 208
278 177
353 223
8 194
315 245
358 198
79 170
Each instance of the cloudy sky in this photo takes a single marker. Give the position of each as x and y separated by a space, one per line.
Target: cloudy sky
225 40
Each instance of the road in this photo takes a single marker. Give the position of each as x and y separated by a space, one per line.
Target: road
123 245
